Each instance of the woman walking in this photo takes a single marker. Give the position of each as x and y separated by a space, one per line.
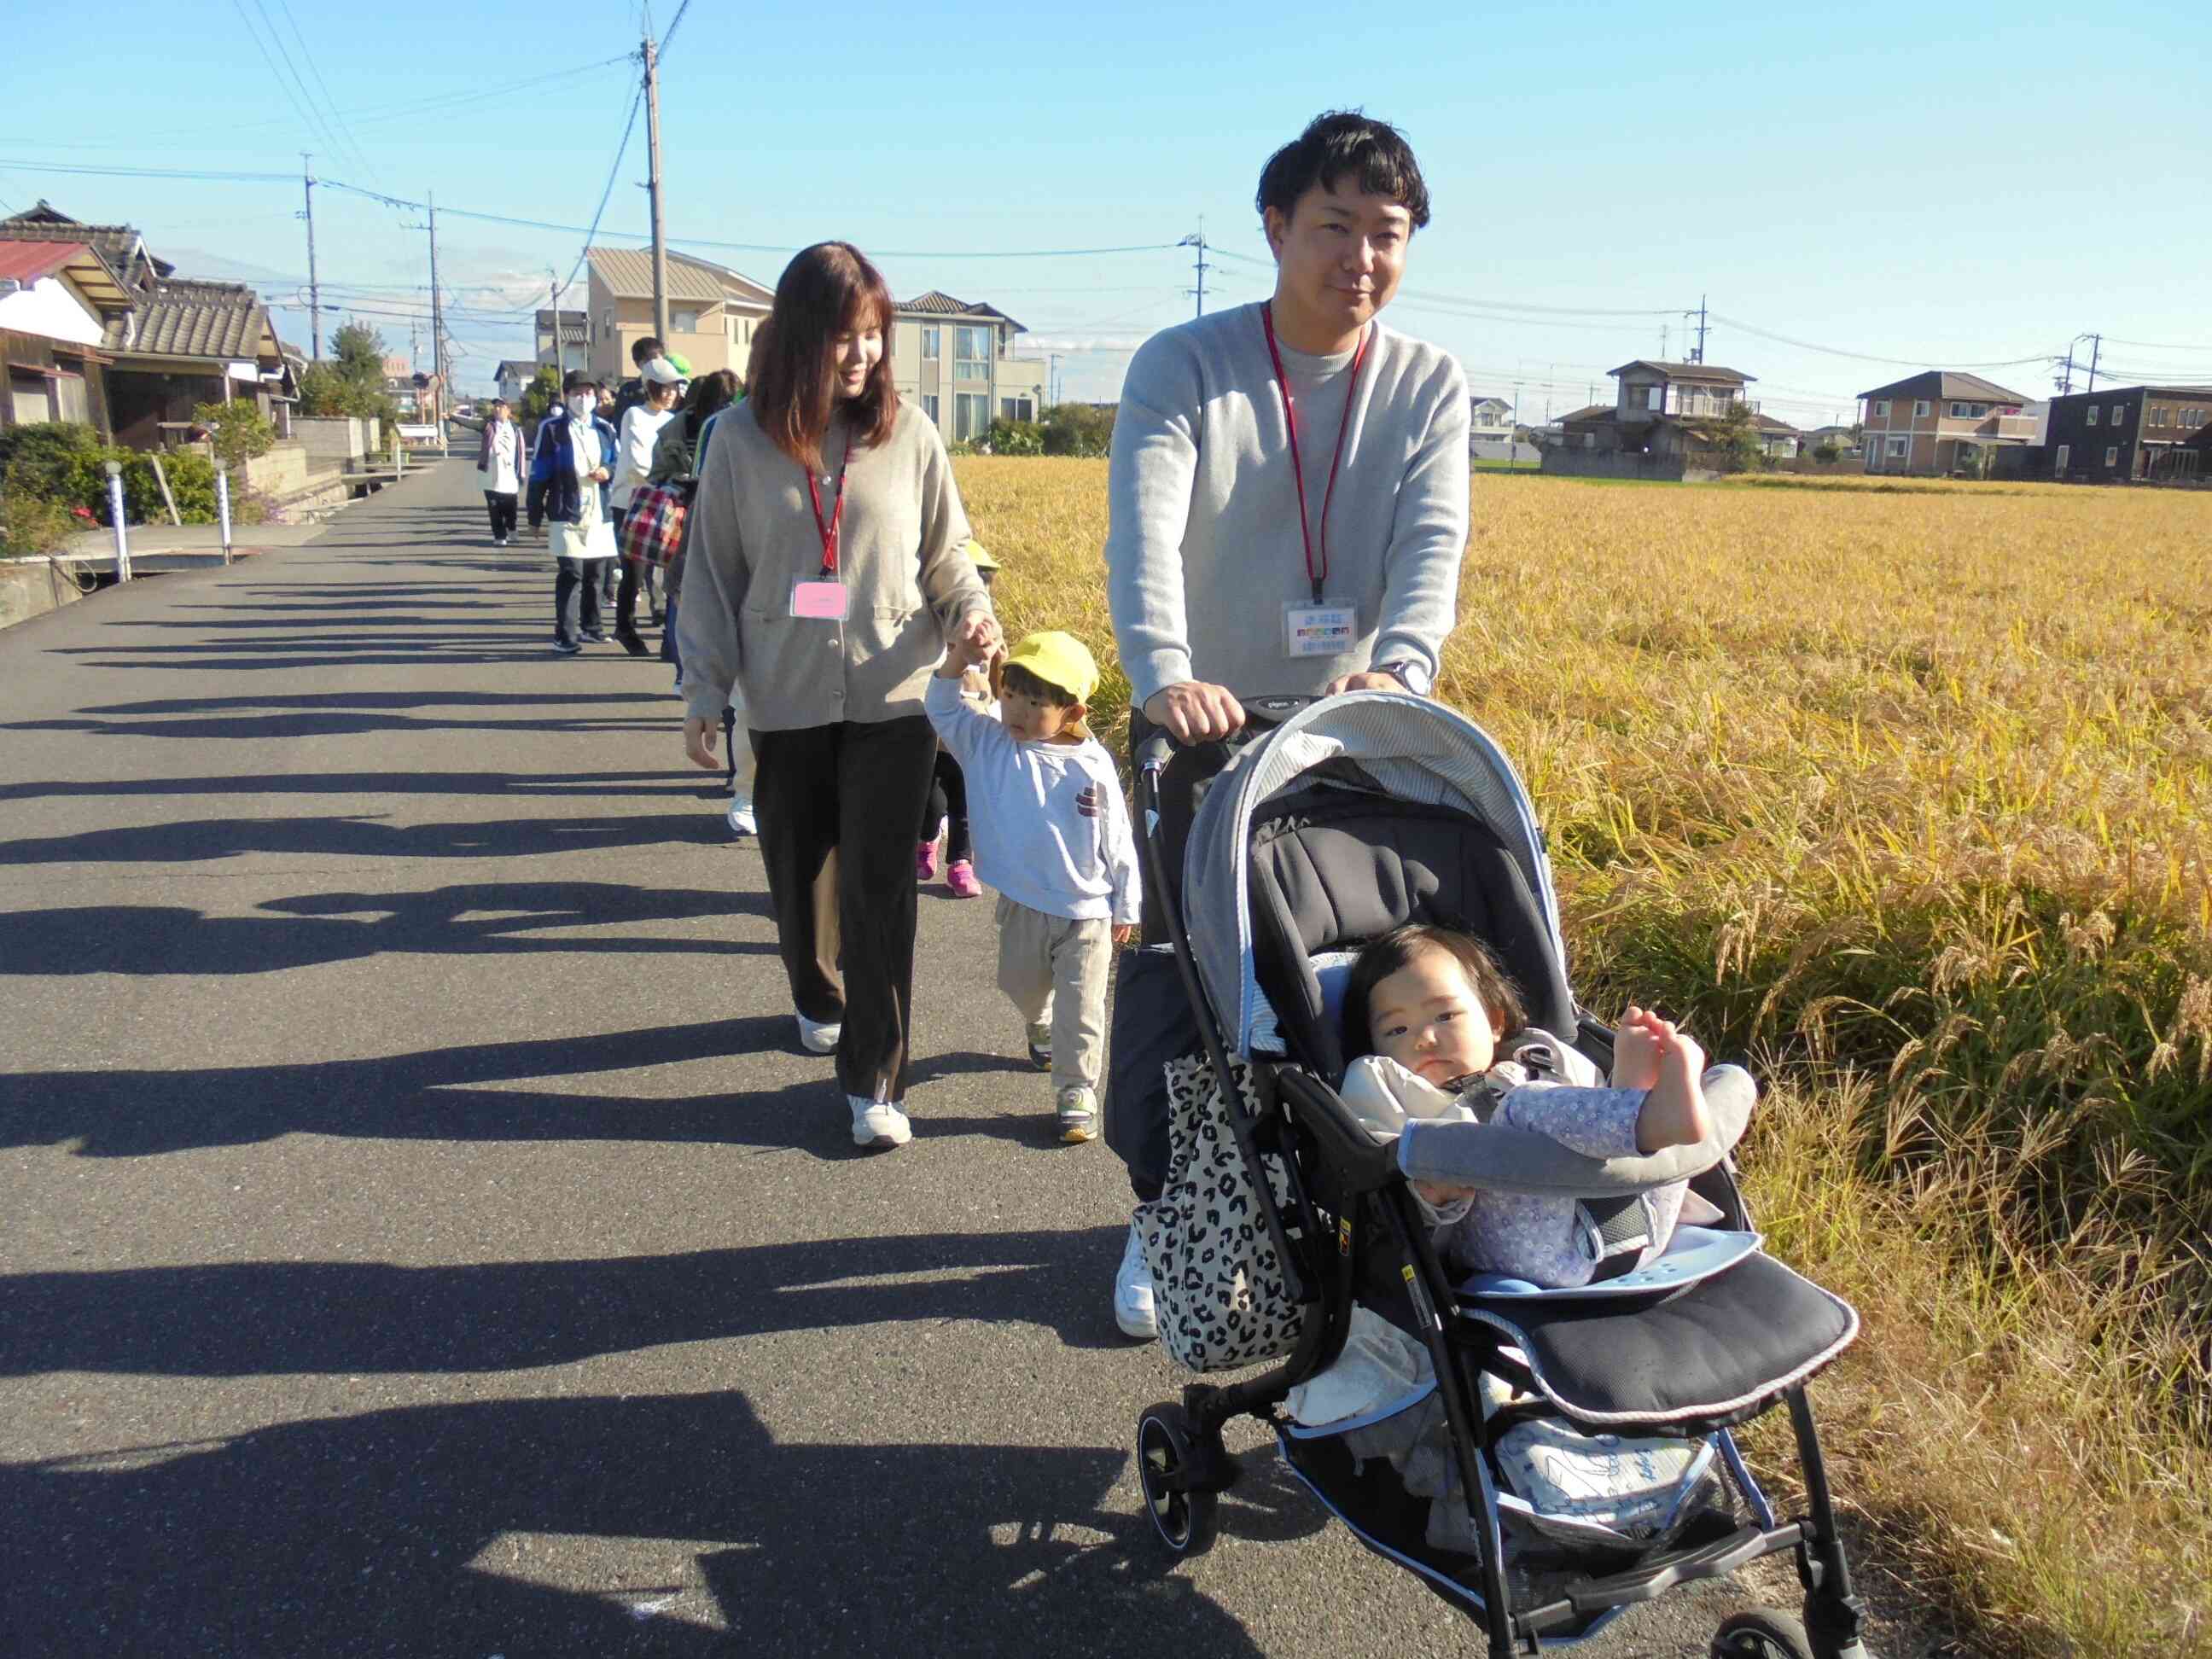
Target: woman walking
634 443
824 576
500 458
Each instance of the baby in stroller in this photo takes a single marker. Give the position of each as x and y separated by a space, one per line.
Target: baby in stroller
1439 1038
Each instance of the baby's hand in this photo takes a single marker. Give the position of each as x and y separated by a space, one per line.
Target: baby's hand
1637 1045
1125 932
960 655
1435 1193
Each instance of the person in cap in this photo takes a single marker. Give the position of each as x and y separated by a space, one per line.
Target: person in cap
945 814
634 446
631 393
577 449
1287 507
1052 836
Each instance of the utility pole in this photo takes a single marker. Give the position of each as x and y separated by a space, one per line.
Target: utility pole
1197 240
653 186
1662 343
437 304
2096 349
314 288
1699 356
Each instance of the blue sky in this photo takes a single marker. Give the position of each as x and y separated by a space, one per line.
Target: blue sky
1944 186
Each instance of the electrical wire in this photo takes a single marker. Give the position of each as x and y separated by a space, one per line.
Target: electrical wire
295 88
329 103
1868 357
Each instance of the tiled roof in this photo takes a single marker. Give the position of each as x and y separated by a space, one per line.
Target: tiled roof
993 310
26 262
935 304
575 329
627 273
1946 383
1708 372
513 368
758 292
113 243
1591 412
1768 423
183 319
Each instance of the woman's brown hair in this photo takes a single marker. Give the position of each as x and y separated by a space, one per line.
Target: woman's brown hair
1382 957
826 290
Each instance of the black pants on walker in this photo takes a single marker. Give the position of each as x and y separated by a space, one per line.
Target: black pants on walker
500 504
1153 1023
948 804
837 806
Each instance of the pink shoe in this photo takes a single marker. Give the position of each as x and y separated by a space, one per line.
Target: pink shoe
925 860
961 878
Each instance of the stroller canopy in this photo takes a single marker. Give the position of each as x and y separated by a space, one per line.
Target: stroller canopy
1365 759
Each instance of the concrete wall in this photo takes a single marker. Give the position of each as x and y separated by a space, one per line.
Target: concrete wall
284 470
332 440
28 589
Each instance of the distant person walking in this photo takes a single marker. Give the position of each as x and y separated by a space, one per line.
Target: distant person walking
502 458
824 575
576 457
634 446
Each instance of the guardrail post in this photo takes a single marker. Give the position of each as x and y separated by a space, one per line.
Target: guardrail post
115 516
223 506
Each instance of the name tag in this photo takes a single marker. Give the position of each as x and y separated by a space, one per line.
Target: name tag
1320 630
824 601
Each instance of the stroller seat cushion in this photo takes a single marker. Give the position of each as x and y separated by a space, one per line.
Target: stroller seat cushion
1332 973
1693 1254
1718 1351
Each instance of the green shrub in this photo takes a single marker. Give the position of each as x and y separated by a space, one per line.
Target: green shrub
44 459
1015 438
237 430
32 524
1078 430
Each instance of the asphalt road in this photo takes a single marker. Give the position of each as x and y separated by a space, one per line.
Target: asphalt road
423 1236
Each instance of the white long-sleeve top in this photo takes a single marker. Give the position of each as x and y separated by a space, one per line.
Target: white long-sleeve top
640 431
1051 831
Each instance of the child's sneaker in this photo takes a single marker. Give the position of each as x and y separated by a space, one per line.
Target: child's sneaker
741 818
961 878
925 860
878 1126
1078 1116
1041 1046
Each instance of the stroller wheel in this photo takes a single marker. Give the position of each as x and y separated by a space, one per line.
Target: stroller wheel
1183 1518
1762 1633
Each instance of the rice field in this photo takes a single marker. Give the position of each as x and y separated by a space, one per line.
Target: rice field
1904 793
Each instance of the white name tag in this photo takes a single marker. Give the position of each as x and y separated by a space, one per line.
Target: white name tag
825 601
1320 630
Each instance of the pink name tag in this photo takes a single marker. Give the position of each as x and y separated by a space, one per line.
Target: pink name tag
824 601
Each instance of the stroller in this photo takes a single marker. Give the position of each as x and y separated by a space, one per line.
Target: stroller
1325 824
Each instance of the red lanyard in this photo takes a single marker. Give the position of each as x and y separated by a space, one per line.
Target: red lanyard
837 516
1317 577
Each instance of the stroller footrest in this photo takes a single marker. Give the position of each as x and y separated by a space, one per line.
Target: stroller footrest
1718 1560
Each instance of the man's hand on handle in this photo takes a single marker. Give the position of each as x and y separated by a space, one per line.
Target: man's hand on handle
1368 681
1196 712
699 735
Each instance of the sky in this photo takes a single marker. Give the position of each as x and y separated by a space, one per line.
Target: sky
1855 193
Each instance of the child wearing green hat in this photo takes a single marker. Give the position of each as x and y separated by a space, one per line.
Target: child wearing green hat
1052 836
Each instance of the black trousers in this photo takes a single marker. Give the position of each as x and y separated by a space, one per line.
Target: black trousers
575 598
948 804
837 806
635 578
501 507
1153 1023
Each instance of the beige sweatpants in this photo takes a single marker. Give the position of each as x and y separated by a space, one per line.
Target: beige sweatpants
1053 970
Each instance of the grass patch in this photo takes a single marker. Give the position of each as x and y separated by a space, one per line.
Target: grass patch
1904 792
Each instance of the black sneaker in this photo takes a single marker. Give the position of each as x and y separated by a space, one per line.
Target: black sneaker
1041 1056
594 636
567 647
631 643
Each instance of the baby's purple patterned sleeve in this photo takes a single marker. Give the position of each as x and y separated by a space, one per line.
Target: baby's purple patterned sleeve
1595 1123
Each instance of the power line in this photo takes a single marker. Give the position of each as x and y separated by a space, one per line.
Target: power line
328 103
293 88
1868 357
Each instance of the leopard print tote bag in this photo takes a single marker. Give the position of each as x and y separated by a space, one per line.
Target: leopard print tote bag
1219 1287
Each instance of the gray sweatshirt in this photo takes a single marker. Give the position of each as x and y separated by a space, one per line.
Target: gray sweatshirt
1203 552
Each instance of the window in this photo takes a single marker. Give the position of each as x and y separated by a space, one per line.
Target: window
2058 468
2093 414
1655 397
1920 407
1017 409
971 353
1900 448
929 406
971 416
683 322
1882 409
1969 411
2119 413
2112 455
929 340
28 394
71 404
2158 416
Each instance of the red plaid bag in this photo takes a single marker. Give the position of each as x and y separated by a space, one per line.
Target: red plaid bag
653 529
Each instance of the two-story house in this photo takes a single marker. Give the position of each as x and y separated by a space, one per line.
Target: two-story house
1490 420
954 358
713 312
1661 410
2144 434
1941 422
57 298
565 339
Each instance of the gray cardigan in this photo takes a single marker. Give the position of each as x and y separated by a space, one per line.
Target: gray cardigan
1203 551
752 534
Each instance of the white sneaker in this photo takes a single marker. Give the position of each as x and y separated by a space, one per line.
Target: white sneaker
1079 1115
1133 1292
820 1039
877 1124
742 821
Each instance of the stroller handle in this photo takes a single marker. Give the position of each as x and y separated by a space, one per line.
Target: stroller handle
1262 714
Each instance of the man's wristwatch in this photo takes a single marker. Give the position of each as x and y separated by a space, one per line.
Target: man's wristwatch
1401 671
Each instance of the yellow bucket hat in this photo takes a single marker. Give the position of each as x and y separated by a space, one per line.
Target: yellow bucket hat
977 556
1058 659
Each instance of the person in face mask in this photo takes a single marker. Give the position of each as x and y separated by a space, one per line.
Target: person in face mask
579 462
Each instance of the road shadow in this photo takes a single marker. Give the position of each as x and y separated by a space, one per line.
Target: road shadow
467 1529
342 723
195 841
243 1319
661 782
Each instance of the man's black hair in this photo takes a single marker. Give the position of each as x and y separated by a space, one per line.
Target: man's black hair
1340 145
646 350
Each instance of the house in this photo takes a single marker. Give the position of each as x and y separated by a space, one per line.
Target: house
1844 438
1941 422
1777 439
179 343
55 300
2137 433
713 311
983 382
1490 420
512 377
1662 411
565 339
